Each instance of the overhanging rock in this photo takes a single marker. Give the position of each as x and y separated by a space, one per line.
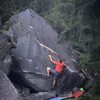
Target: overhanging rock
35 41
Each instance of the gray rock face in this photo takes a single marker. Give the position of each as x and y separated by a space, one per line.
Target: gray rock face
0 22
35 41
40 96
44 95
5 58
7 90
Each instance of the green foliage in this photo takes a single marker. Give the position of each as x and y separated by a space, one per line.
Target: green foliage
96 87
89 97
56 16
11 7
85 97
84 60
95 98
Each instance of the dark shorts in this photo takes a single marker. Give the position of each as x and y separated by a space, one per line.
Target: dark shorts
54 73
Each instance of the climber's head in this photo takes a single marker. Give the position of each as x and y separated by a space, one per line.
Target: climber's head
60 60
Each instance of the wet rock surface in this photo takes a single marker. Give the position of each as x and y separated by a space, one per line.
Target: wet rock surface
7 90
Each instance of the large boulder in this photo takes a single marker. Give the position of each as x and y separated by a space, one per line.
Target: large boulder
7 90
35 41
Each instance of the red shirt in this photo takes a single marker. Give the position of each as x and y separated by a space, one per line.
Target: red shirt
78 94
59 66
